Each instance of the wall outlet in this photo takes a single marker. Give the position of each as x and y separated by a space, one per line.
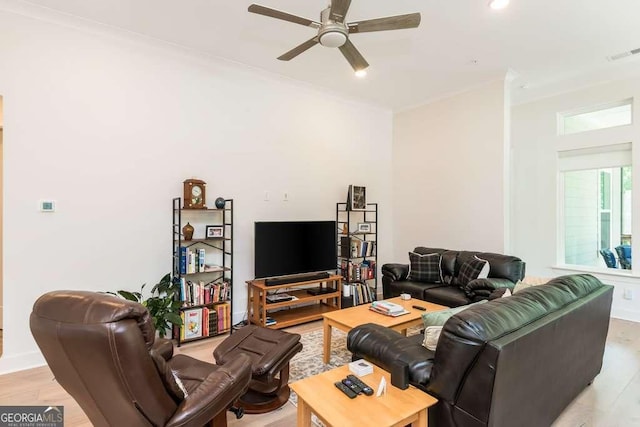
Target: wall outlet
628 294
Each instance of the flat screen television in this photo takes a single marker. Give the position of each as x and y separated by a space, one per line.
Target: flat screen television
294 247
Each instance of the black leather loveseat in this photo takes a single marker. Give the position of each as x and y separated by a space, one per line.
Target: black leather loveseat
514 361
505 271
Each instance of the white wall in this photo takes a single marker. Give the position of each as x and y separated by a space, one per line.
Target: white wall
535 181
448 173
109 126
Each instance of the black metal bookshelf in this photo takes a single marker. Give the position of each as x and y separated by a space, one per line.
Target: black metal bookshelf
357 252
212 275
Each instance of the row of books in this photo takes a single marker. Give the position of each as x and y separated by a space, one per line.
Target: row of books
194 261
360 292
198 293
204 322
354 271
355 248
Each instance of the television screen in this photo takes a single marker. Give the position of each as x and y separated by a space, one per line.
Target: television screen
284 248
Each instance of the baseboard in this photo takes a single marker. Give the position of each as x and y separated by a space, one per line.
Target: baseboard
20 362
631 315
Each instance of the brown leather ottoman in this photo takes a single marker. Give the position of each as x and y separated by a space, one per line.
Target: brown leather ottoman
270 351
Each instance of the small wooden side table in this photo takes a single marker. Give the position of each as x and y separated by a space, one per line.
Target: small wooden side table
396 408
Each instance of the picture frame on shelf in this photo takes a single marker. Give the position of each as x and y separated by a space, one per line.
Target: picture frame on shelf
356 198
364 227
214 231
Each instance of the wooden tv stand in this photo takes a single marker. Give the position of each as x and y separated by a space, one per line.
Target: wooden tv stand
303 308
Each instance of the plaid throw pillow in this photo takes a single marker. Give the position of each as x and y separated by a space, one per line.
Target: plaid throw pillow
470 270
424 268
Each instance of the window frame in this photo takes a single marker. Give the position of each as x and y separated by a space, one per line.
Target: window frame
560 116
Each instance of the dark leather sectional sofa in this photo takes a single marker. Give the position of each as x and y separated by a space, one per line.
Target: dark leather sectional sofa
505 271
514 361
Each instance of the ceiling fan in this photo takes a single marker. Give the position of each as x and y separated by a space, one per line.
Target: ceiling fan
334 32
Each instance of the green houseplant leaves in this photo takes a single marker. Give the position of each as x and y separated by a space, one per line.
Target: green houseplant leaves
163 304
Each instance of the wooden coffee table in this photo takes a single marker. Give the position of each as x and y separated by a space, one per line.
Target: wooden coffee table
349 318
319 395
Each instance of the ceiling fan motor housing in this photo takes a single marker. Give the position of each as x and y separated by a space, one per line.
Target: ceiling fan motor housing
332 35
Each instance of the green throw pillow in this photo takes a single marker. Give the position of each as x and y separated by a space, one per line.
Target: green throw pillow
440 317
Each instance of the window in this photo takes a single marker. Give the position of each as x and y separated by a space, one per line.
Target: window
596 190
616 114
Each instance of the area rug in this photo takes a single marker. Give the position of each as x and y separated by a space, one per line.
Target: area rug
309 361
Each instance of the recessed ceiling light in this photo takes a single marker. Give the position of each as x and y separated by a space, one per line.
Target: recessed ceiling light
498 4
361 73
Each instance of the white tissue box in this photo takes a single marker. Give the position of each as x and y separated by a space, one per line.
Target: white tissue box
361 367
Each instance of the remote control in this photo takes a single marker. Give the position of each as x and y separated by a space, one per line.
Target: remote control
417 307
346 390
352 385
357 381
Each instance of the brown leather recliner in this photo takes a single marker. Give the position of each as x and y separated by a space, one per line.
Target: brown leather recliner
103 352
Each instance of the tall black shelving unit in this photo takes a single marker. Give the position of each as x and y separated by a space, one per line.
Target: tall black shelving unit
223 249
357 252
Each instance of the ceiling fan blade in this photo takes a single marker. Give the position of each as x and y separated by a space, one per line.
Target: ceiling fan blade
298 49
411 20
354 57
267 11
339 10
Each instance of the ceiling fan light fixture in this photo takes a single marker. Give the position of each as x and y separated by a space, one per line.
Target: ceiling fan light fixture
333 39
498 4
361 73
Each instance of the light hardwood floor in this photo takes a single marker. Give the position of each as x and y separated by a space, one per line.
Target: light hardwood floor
611 401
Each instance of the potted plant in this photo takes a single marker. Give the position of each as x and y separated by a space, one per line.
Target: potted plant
163 305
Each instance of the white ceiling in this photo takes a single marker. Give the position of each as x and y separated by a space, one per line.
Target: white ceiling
459 44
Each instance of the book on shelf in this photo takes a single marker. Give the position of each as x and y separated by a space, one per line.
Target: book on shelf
353 271
269 321
205 322
360 292
199 292
224 322
192 324
201 259
213 323
195 261
183 260
208 268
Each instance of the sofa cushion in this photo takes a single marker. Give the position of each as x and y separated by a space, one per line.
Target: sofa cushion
171 381
415 289
470 270
434 320
484 273
431 336
424 267
528 282
451 296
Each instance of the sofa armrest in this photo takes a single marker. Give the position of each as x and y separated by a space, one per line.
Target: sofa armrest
396 271
215 394
385 348
490 284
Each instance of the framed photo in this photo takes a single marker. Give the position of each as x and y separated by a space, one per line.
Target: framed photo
213 231
364 227
357 200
